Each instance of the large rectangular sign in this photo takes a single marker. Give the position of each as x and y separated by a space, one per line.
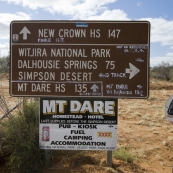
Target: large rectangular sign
78 124
80 58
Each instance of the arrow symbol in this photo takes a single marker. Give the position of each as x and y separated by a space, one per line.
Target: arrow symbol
25 31
132 70
94 88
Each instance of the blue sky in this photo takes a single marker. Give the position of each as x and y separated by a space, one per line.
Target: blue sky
158 12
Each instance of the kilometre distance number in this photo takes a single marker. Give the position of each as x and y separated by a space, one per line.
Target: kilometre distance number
110 64
113 33
138 92
81 88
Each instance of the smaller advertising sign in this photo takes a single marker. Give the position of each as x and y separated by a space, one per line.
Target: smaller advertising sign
78 124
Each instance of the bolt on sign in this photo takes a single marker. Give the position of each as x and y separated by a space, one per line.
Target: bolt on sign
78 124
80 58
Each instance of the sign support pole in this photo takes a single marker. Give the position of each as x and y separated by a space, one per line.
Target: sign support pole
109 158
47 157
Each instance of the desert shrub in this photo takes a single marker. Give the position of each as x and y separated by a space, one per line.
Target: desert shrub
22 137
124 155
163 71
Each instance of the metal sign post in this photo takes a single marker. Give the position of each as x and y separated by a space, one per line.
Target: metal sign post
109 158
47 157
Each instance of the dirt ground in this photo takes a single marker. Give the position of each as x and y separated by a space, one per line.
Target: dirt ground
142 129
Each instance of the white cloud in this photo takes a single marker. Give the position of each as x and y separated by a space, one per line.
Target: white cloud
161 30
110 15
6 18
4 49
170 54
77 9
155 61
